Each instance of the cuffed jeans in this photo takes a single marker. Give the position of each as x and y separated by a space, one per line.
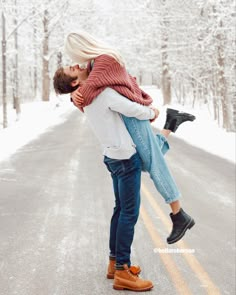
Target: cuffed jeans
126 176
152 149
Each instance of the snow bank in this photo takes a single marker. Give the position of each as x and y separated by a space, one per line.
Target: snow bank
36 117
203 132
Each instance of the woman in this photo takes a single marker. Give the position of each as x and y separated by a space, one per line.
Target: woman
107 69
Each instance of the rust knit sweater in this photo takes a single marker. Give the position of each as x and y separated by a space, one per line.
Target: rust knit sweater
107 72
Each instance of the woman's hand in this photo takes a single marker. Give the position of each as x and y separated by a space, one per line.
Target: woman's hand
156 111
77 98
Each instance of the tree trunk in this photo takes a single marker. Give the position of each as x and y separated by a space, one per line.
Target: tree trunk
45 70
59 59
35 75
233 83
4 76
166 79
177 91
215 106
194 87
16 98
222 81
166 83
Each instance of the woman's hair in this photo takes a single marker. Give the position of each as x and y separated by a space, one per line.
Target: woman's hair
82 47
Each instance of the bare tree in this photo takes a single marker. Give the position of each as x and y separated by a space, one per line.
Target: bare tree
16 98
4 72
50 22
188 47
45 68
166 78
5 38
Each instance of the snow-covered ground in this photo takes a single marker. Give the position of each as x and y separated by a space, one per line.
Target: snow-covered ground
203 132
36 117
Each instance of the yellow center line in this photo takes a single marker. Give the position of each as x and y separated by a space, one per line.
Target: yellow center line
195 265
179 283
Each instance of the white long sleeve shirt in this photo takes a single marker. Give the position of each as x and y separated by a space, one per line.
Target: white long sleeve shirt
104 115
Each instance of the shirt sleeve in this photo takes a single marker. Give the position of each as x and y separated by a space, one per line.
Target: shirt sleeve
124 106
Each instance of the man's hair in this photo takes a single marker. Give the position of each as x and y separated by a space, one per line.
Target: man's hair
62 82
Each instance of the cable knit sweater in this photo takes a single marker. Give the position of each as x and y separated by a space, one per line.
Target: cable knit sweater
107 72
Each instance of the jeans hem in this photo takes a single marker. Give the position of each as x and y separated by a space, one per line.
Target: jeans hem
172 200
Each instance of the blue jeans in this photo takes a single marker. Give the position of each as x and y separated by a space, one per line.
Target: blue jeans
152 149
126 176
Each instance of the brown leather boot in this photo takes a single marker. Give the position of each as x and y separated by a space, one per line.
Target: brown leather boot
124 279
134 269
111 269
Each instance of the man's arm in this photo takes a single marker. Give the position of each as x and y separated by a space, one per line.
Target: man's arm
124 106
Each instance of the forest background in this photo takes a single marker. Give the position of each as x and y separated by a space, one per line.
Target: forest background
185 48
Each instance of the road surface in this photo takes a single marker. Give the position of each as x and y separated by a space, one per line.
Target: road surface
55 206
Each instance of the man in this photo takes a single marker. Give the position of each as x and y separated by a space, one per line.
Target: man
124 164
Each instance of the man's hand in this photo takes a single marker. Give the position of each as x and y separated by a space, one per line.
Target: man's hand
77 98
156 111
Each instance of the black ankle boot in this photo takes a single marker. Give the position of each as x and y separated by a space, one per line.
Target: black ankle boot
175 118
181 222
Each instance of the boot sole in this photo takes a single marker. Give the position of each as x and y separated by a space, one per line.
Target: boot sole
118 287
188 226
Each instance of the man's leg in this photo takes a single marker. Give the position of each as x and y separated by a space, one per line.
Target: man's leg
128 173
113 229
129 191
114 218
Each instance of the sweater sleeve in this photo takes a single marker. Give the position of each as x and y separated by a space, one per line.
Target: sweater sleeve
124 106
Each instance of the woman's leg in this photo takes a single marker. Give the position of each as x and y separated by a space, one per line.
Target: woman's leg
151 149
165 132
162 142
